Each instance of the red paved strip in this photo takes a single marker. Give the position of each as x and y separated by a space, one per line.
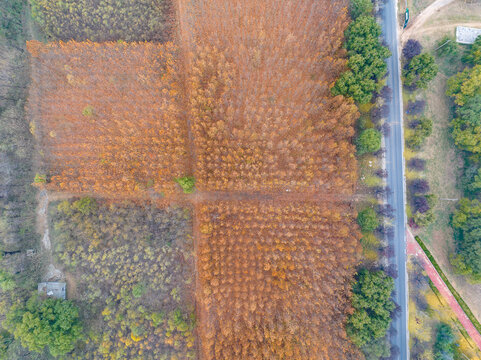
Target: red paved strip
413 248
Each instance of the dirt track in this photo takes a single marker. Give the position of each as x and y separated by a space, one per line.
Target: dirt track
422 18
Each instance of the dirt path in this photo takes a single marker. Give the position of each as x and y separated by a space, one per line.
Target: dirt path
418 22
431 29
414 249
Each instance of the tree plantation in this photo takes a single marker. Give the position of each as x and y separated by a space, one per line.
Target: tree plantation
196 164
274 280
107 117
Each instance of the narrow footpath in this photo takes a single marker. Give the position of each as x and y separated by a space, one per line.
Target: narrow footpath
415 250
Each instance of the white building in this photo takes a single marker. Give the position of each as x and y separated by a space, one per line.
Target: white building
53 289
467 35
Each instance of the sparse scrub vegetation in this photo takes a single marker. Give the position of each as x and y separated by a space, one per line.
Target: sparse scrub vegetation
129 20
134 270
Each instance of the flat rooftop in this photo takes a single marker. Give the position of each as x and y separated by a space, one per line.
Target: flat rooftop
53 289
467 35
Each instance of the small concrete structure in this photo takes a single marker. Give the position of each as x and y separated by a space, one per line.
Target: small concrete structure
467 35
53 289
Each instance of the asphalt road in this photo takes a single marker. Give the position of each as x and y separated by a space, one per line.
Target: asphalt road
395 180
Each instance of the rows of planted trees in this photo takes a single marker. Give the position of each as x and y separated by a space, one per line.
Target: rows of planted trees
259 96
243 101
133 274
274 280
107 117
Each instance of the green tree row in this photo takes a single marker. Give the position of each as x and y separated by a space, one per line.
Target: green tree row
373 308
366 56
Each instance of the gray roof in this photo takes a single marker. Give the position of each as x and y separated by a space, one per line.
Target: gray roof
467 35
53 289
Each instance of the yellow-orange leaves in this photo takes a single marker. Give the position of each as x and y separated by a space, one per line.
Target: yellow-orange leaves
274 285
113 108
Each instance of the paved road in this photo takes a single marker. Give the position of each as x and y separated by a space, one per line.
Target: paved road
395 167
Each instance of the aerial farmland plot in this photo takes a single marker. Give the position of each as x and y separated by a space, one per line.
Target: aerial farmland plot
193 182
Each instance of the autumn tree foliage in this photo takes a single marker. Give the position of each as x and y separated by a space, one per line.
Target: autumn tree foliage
107 116
97 20
133 266
259 97
274 280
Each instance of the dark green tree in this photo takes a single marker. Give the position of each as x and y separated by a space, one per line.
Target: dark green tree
473 56
470 112
366 60
446 46
445 342
367 220
11 13
377 349
420 71
360 7
466 223
368 141
371 300
52 323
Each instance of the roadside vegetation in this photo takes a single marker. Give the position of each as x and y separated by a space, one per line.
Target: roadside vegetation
419 69
364 82
464 89
435 332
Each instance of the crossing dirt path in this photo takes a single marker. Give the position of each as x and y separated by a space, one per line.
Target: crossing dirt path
414 249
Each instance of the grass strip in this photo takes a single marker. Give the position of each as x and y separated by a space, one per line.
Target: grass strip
456 295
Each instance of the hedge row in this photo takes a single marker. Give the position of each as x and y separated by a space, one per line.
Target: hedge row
456 295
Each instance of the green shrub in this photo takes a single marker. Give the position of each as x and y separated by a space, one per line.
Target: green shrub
424 219
367 220
422 130
40 179
446 46
138 290
51 323
420 71
88 111
368 141
187 183
7 282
